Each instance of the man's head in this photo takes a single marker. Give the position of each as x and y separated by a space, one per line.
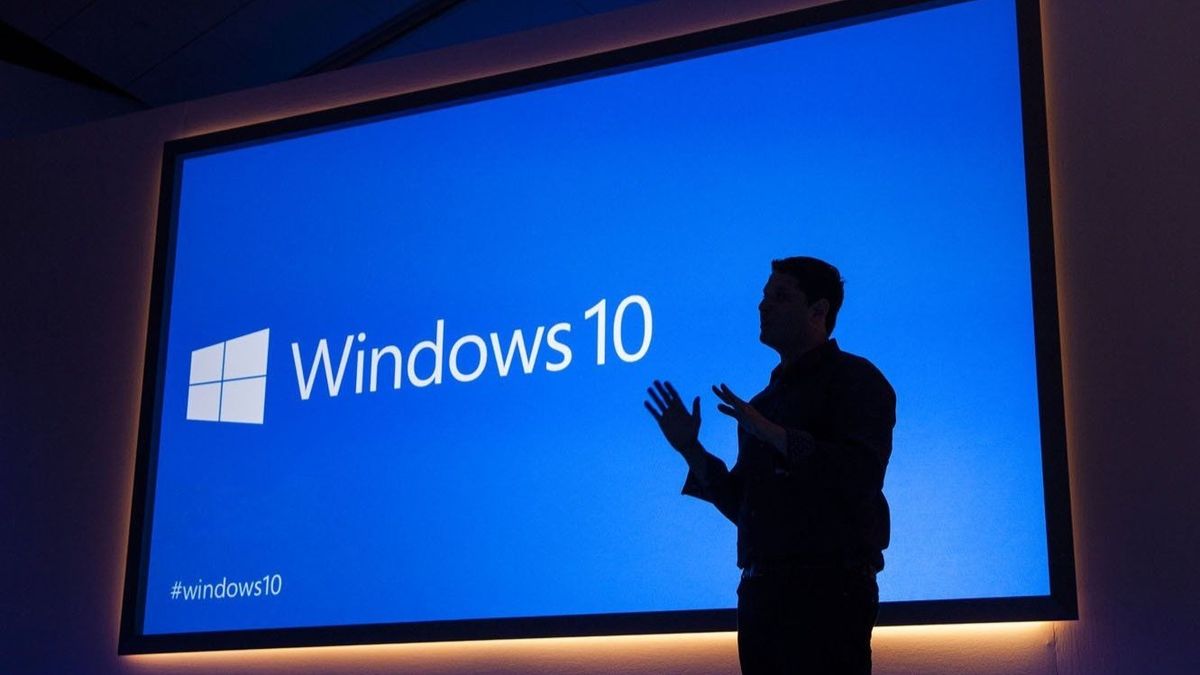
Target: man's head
800 303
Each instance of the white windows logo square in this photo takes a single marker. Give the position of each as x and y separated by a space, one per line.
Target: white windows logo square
228 381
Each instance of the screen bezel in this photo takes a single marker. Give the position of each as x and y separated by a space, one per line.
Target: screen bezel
1060 603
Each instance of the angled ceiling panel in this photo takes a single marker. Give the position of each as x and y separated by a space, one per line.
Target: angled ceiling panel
478 19
382 10
599 6
121 39
268 41
166 51
39 18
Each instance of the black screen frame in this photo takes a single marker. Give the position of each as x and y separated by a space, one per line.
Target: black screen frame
1059 604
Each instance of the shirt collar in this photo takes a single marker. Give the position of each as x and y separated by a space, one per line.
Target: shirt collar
808 360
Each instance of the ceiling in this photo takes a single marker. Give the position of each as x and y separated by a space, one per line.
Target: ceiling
65 62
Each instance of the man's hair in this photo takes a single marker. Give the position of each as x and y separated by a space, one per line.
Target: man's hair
818 279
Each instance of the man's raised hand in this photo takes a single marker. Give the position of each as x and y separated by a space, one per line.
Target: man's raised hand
750 419
681 429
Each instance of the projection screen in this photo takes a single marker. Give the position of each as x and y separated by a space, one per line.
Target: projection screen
398 350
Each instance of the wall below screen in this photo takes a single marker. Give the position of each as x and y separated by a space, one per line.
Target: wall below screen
79 210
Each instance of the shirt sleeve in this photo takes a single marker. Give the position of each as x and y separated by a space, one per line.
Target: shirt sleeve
721 487
855 448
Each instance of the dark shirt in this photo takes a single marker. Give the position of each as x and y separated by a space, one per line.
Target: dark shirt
821 502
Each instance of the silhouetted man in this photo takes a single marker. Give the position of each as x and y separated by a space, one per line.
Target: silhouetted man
806 492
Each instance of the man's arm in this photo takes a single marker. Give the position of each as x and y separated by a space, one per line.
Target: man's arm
856 450
708 478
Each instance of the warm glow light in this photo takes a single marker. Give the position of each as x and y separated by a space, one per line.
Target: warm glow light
645 653
968 630
954 645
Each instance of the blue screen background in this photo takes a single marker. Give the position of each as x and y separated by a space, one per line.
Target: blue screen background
891 148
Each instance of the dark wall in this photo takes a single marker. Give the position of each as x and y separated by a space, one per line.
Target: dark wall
1124 98
78 213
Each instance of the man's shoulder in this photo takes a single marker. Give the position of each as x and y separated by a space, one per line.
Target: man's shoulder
858 370
851 362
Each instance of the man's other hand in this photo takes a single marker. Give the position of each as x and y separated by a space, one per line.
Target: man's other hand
681 429
750 419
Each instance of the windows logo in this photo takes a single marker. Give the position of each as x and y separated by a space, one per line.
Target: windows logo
228 381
